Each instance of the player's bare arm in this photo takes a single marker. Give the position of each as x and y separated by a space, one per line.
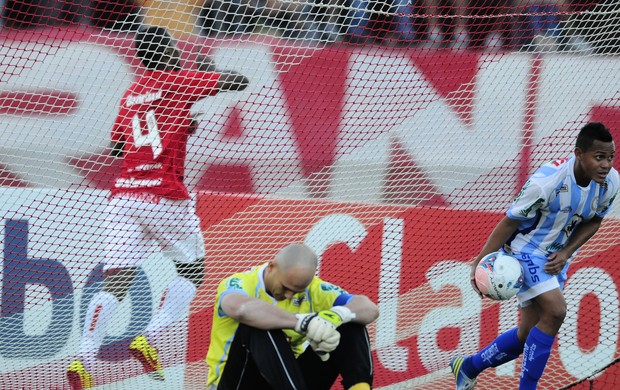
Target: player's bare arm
364 309
205 63
228 81
256 313
232 81
501 233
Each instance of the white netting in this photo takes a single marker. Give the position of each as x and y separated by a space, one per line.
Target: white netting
389 136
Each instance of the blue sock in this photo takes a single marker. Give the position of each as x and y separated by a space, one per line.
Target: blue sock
504 348
535 355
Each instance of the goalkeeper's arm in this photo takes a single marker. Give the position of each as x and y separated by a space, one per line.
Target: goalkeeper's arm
318 325
365 311
256 313
320 328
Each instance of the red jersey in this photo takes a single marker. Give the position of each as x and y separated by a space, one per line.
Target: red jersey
154 124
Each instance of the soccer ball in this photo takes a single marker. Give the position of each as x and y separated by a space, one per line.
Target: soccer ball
499 276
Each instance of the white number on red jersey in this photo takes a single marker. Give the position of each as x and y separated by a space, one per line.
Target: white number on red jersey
151 138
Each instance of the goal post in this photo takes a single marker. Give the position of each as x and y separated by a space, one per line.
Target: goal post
388 136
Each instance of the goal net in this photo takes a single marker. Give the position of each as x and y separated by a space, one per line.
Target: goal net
390 136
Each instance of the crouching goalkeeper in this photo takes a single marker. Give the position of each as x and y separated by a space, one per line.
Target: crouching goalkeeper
278 326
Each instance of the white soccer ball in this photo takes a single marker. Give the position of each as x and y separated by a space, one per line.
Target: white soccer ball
499 276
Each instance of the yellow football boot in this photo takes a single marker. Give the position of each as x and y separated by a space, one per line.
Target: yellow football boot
148 356
78 377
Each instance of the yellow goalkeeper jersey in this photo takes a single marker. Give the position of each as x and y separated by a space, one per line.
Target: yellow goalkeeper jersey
319 295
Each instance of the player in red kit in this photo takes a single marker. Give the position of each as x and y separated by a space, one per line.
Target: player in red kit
149 201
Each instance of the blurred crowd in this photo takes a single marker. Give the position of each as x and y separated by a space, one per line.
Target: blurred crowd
563 25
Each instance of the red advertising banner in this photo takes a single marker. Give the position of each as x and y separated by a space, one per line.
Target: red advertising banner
414 263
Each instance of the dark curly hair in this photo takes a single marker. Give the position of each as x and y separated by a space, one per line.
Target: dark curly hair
150 44
594 131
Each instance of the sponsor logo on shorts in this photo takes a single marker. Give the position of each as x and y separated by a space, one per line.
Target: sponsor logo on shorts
532 268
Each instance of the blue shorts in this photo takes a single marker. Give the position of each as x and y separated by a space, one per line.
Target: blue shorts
536 280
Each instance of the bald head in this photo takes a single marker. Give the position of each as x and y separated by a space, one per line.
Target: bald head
291 271
296 256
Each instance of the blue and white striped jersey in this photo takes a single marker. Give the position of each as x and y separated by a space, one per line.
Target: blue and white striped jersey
551 204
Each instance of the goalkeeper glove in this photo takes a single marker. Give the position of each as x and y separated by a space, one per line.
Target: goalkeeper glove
315 327
324 356
328 344
323 325
344 312
337 315
324 347
302 322
325 322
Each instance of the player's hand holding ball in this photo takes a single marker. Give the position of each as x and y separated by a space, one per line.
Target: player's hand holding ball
499 276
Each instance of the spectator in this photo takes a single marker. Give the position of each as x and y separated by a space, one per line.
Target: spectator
539 28
485 17
405 22
324 20
222 18
116 14
238 17
381 22
446 21
360 17
428 17
72 11
411 22
22 13
593 25
321 20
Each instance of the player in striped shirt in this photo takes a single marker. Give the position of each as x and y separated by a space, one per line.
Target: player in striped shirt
264 318
558 210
